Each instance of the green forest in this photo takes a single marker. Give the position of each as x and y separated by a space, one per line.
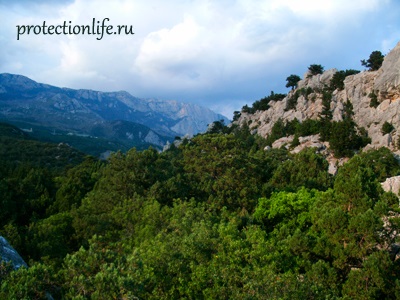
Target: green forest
217 217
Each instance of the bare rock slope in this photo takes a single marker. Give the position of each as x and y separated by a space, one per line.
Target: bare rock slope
358 89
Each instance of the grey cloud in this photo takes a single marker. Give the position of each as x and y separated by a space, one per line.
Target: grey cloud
222 54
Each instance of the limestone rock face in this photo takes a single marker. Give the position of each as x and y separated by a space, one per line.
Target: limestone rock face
283 142
392 184
8 254
388 80
311 141
385 83
317 81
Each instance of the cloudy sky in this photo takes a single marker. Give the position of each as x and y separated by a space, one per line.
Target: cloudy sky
221 54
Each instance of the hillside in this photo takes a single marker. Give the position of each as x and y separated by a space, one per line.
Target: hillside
19 148
217 217
227 214
373 97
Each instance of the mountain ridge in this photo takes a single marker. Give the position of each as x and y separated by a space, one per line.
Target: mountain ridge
28 103
372 94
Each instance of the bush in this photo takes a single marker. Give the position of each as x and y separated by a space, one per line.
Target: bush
337 81
292 101
263 104
387 128
294 127
374 100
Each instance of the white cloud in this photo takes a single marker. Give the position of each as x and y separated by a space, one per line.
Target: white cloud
195 49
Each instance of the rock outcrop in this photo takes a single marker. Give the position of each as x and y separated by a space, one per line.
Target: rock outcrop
358 89
392 184
388 80
9 254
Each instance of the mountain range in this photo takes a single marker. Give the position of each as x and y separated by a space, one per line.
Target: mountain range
95 121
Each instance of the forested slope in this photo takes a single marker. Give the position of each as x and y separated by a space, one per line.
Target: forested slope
217 217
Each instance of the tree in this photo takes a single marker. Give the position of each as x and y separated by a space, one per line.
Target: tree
292 81
221 171
337 81
374 62
236 115
315 69
306 169
344 136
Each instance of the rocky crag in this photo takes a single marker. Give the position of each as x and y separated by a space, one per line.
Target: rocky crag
374 96
9 255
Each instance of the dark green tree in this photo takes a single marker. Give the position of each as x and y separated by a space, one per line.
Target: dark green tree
382 161
263 103
345 136
292 81
374 100
305 169
374 62
315 69
337 81
236 115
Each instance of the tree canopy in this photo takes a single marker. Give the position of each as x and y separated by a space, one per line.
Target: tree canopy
216 217
315 69
292 81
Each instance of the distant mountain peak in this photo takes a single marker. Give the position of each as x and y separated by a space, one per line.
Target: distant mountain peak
25 101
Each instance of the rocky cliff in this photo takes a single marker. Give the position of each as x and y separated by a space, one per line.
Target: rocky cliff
9 255
381 86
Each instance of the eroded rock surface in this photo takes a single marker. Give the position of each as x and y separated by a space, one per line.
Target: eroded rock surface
384 83
9 254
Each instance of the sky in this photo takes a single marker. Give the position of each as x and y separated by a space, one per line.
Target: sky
221 54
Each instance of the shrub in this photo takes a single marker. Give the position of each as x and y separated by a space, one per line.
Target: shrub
292 101
263 104
387 128
295 141
337 81
374 100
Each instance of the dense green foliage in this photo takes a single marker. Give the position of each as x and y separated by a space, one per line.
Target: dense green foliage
216 218
17 146
294 127
344 136
263 104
